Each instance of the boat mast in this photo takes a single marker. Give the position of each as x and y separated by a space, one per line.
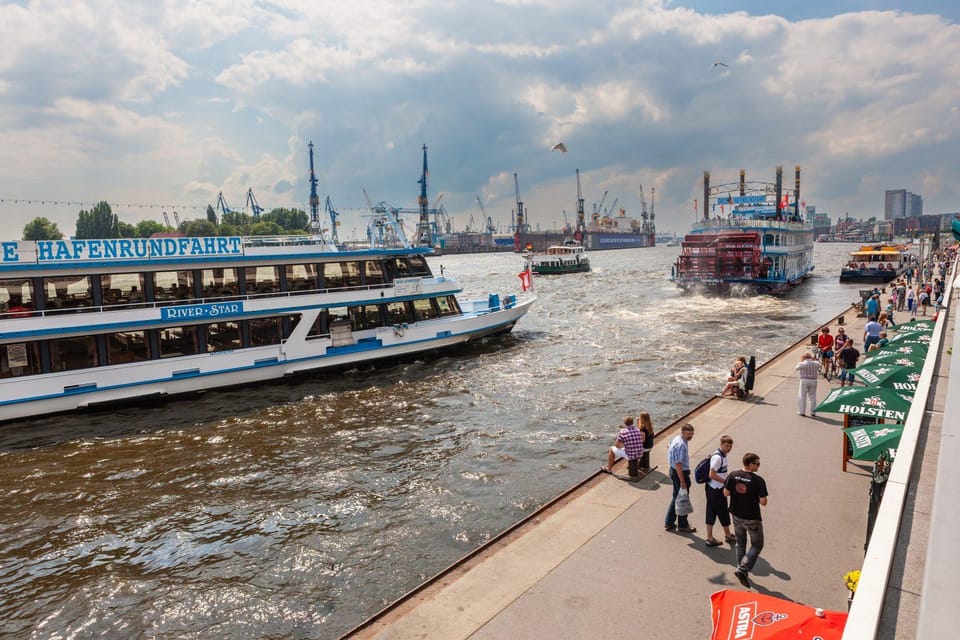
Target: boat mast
706 196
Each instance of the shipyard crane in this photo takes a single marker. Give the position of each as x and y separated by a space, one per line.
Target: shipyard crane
612 209
252 203
221 206
490 227
643 206
176 219
166 218
334 214
653 196
598 207
314 198
521 225
424 238
581 217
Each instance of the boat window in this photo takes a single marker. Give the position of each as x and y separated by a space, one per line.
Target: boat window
356 318
768 239
301 277
19 359
127 346
373 272
399 313
425 309
332 276
372 316
16 296
219 283
351 273
68 293
264 331
121 288
448 306
262 280
178 341
67 354
402 267
321 326
223 336
419 266
173 285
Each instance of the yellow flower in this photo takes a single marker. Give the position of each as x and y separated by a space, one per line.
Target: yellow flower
851 580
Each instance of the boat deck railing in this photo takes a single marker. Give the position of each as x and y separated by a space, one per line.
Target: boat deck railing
751 223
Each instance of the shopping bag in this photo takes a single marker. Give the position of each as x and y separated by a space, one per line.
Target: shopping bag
683 505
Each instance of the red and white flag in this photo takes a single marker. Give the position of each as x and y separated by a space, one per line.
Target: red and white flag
525 281
784 201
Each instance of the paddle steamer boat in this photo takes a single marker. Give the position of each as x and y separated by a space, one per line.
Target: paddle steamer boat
85 323
760 239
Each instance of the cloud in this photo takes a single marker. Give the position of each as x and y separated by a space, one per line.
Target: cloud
178 101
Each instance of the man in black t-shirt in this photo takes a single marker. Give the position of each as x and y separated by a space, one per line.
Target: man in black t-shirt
848 360
747 492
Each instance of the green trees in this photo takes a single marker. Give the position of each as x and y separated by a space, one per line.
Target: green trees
146 228
291 220
41 229
99 222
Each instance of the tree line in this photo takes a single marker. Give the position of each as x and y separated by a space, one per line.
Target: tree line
100 222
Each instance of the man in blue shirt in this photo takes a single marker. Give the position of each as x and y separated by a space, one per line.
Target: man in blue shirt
678 456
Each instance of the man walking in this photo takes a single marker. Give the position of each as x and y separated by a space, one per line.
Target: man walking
716 502
747 492
809 370
678 456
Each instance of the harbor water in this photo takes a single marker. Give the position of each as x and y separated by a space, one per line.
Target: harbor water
298 509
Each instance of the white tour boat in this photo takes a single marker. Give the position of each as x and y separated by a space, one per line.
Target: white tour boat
86 323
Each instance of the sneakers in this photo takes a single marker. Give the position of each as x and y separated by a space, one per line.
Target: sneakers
686 529
742 577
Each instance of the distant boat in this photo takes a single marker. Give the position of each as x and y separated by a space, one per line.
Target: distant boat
760 240
877 263
559 259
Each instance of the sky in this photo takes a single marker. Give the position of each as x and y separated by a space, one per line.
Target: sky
162 105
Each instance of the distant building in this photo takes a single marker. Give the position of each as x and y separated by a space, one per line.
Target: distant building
923 224
900 203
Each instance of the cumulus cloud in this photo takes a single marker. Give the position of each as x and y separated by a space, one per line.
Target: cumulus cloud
182 100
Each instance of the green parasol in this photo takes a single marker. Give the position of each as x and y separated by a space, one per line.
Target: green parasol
922 326
870 440
872 402
914 358
887 374
911 337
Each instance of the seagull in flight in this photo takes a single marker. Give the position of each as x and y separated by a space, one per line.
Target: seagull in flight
562 148
718 63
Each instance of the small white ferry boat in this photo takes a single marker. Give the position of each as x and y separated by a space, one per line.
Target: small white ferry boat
568 257
86 323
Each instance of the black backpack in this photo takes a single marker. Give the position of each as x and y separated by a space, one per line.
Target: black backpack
701 473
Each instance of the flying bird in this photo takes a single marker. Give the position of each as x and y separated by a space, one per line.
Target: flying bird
718 63
562 148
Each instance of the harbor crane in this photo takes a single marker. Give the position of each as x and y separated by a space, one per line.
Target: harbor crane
176 219
521 225
581 217
314 198
612 209
643 206
490 228
334 214
166 218
221 206
252 203
598 207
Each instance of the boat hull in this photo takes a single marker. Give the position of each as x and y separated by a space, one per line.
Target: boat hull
869 276
600 241
154 380
545 270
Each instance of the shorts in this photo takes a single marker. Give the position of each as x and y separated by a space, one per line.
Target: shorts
846 375
826 354
618 454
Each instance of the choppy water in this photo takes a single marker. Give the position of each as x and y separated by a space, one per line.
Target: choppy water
297 510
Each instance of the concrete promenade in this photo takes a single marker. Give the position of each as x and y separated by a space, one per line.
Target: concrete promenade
599 563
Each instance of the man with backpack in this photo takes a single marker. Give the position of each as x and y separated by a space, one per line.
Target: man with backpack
712 476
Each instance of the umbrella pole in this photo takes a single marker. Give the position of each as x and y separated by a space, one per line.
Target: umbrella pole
843 441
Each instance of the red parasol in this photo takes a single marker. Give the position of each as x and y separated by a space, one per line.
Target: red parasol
745 615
